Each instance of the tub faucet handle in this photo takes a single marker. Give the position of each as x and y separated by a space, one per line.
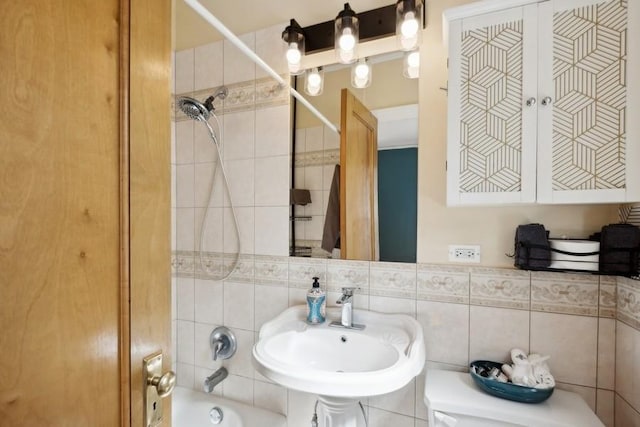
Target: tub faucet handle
223 343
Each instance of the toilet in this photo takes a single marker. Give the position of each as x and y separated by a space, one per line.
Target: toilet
453 400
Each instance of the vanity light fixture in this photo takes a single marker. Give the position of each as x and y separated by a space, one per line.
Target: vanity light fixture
314 82
293 37
361 74
409 23
411 64
404 19
346 35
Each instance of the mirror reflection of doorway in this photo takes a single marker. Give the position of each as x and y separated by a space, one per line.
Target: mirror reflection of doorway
397 203
398 182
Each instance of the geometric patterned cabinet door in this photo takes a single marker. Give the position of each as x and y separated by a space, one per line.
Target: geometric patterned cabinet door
544 102
492 138
589 156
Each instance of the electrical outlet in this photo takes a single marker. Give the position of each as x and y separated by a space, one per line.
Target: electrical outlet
464 253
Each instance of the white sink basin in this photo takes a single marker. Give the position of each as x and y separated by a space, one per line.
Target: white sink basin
340 362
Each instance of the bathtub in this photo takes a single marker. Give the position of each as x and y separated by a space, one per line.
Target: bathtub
191 408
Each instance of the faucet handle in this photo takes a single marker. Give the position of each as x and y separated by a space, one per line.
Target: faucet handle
223 343
348 291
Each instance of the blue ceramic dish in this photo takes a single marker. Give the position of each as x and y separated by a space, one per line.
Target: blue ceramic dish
507 391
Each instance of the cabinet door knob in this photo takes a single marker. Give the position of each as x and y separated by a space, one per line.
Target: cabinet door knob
546 100
531 102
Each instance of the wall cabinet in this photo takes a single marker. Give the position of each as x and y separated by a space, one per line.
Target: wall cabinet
543 103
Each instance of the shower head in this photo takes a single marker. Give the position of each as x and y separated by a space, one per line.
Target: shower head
201 111
193 108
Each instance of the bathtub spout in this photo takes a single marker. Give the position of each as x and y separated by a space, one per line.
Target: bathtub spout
214 379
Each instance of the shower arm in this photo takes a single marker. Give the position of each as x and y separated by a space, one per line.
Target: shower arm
218 25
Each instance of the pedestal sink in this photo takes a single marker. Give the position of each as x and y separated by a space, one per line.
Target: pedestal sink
340 365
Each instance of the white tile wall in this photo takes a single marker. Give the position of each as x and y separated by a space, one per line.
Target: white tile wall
571 341
237 66
203 147
208 66
272 132
495 331
446 329
270 47
184 71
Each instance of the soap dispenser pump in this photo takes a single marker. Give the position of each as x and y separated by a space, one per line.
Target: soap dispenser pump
316 300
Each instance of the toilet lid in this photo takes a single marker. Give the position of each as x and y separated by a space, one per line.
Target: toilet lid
455 393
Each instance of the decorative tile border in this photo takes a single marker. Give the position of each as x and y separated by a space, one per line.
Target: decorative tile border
342 273
245 270
392 279
500 288
215 266
317 158
303 270
629 302
272 270
244 96
443 283
182 263
565 293
608 298
270 93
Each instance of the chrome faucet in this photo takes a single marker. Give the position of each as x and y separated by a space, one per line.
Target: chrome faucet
214 379
346 301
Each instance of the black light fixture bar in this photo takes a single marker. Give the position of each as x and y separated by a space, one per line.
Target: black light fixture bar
374 24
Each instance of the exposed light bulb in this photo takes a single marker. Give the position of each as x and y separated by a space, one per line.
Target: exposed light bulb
313 85
314 79
410 25
362 71
361 74
293 54
360 83
347 40
412 64
313 90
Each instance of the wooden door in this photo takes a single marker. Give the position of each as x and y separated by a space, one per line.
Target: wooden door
358 180
84 158
150 195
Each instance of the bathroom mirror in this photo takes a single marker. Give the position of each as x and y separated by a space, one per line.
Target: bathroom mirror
393 99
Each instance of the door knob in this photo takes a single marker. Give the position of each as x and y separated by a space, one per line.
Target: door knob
156 386
164 384
546 100
531 102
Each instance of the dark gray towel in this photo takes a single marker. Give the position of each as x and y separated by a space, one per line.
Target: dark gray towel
331 232
532 247
619 247
299 196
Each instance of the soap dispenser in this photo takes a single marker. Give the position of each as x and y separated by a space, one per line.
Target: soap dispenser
316 300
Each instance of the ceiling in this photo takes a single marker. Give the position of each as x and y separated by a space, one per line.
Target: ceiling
251 15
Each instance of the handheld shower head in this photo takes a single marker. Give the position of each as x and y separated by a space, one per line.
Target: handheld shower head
201 111
194 109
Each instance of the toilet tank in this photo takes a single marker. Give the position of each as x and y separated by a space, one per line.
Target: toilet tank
453 400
